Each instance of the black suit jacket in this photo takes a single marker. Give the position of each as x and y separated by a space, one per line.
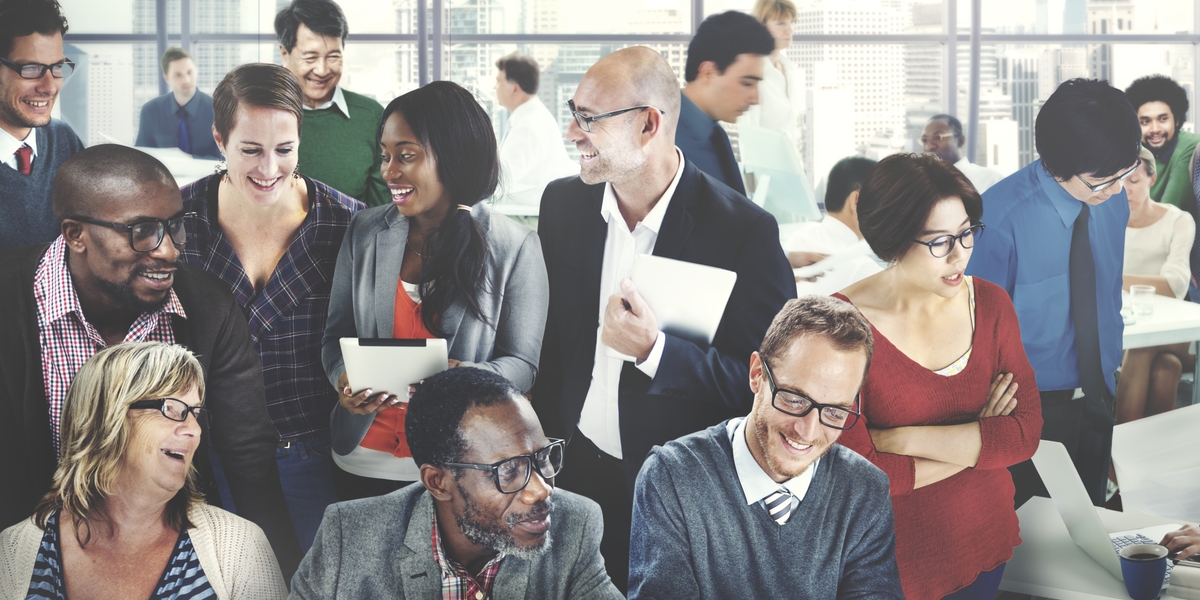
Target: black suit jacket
215 330
695 386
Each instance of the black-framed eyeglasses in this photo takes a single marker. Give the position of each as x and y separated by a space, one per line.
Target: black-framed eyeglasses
797 405
1107 184
147 235
174 409
585 122
942 245
513 474
37 70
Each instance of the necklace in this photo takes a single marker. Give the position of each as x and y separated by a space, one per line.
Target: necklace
414 250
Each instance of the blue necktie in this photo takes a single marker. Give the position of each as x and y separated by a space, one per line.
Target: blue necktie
184 143
779 505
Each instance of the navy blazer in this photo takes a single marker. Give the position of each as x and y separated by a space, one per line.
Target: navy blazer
695 386
694 138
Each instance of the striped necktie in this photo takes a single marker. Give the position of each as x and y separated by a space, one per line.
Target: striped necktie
779 505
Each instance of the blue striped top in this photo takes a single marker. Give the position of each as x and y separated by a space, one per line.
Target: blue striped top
183 579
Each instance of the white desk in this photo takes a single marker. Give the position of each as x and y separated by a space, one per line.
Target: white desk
1049 564
1173 321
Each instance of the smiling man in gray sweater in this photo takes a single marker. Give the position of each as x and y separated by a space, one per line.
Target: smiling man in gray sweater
767 505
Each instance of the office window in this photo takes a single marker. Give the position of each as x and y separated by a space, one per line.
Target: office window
1083 16
630 17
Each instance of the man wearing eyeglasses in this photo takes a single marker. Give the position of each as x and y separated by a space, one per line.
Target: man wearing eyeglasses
485 520
32 145
113 276
943 136
1056 243
638 194
766 505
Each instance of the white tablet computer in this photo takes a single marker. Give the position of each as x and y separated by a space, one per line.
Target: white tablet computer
391 365
688 299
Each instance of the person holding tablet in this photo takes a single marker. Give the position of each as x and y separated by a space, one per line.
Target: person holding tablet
950 401
272 236
437 262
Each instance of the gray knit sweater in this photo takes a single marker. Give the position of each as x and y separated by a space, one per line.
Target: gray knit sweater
25 199
694 536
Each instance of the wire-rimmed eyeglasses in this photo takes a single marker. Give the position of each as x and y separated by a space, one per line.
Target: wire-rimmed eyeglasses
147 235
37 70
1097 188
585 122
513 474
174 409
943 245
797 405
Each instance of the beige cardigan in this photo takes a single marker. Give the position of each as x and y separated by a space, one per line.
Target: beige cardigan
234 553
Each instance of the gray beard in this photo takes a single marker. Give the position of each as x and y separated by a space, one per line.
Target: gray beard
499 539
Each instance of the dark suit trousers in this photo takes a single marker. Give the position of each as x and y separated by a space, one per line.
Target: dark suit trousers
591 472
1085 427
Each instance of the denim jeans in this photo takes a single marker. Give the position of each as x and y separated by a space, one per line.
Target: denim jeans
306 474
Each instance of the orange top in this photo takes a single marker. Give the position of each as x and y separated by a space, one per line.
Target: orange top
387 431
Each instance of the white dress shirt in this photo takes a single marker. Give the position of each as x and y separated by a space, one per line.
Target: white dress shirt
532 154
756 484
981 177
780 99
338 100
599 419
9 146
831 236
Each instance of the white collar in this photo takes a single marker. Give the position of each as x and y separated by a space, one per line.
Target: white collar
9 144
837 228
338 100
654 218
526 108
756 484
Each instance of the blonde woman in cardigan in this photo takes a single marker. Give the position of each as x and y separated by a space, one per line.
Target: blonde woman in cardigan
123 517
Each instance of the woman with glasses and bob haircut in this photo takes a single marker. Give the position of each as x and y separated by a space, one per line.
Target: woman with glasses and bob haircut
950 401
124 513
436 262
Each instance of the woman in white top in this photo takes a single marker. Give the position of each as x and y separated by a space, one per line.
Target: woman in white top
781 91
1157 241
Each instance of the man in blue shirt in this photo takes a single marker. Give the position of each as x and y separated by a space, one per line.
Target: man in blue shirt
724 66
182 118
1056 242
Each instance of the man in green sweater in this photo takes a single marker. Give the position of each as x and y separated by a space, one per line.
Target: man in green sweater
1162 106
338 146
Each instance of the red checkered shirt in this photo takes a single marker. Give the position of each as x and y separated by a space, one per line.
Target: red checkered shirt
66 337
457 582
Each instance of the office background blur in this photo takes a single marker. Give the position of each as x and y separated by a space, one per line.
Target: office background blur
873 70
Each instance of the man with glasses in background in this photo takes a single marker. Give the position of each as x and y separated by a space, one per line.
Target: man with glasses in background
943 136
485 520
638 194
1056 244
113 276
766 505
32 145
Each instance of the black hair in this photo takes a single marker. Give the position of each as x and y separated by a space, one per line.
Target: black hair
845 177
101 172
433 423
452 127
722 37
19 18
322 17
1159 88
950 120
1087 127
521 70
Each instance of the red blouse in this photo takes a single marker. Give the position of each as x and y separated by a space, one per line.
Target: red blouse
949 532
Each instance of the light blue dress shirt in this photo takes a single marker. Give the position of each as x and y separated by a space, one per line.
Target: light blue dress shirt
1026 250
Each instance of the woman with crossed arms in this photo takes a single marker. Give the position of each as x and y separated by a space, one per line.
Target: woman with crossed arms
950 401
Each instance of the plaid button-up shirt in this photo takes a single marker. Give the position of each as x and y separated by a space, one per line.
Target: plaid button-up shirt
68 340
457 582
286 316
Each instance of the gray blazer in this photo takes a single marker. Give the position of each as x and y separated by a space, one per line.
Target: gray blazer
381 548
363 300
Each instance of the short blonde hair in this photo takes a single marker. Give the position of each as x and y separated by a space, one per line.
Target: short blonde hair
1148 160
96 428
768 10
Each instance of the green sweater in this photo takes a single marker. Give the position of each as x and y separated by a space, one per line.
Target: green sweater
342 152
1174 183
